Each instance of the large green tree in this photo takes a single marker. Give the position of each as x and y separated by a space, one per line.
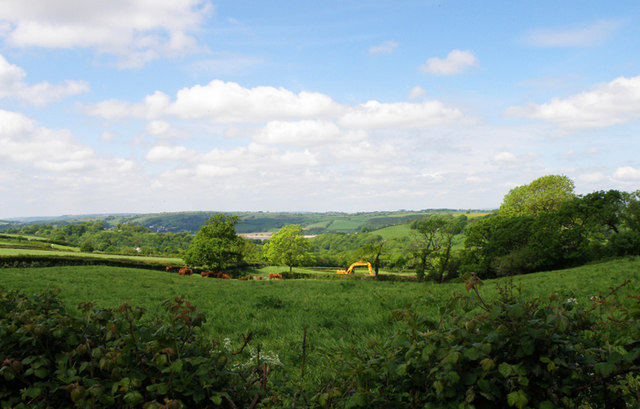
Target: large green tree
288 246
432 242
216 245
545 194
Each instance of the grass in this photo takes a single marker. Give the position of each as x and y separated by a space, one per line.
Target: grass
338 313
38 252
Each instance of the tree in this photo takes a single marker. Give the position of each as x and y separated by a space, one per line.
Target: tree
216 245
545 194
287 246
371 252
432 240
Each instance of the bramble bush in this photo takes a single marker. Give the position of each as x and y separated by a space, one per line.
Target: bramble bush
512 352
105 358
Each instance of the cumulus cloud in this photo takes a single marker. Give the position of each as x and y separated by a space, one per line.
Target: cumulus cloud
21 141
223 102
607 104
456 62
13 86
163 129
627 173
385 48
163 153
585 35
374 114
417 92
305 133
135 31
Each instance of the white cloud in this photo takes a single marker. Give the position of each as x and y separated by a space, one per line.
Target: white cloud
163 153
385 48
13 86
163 129
594 177
305 133
229 102
21 141
135 31
456 62
607 104
417 92
578 36
374 114
504 157
627 173
223 102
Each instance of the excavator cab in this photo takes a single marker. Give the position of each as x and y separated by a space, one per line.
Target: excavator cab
357 264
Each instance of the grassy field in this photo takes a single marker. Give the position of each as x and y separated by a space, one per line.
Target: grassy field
337 313
13 251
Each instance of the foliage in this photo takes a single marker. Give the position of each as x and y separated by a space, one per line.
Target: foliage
217 246
544 194
432 241
513 352
105 358
288 246
372 251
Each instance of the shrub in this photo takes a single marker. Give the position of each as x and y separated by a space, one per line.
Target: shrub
104 358
513 352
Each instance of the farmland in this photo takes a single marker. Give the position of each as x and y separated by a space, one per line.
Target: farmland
338 314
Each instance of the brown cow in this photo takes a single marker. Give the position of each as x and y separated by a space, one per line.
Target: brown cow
226 276
185 272
275 276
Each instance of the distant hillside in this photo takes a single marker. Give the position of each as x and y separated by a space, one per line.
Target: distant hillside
252 222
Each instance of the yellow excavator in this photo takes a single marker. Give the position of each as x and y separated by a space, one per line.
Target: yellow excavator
357 264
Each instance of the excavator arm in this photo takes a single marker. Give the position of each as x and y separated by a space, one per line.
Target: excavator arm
357 264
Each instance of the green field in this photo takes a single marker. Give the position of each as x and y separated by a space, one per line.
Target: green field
337 313
170 261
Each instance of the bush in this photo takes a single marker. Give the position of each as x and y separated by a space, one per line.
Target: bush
104 358
519 353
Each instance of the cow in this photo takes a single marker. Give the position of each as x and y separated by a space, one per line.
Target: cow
185 272
275 276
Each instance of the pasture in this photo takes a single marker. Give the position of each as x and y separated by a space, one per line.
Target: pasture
337 313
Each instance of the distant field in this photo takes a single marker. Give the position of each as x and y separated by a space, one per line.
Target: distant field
338 313
36 252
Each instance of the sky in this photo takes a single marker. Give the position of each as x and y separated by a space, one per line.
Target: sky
148 106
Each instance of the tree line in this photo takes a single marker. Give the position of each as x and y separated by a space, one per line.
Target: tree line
540 226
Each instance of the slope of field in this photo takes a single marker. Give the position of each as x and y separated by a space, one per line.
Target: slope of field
337 313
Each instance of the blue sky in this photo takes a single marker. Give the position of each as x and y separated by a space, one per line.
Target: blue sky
154 106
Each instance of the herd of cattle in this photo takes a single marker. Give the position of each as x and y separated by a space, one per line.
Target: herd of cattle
211 274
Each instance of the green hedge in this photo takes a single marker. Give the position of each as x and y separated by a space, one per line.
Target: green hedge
27 261
105 358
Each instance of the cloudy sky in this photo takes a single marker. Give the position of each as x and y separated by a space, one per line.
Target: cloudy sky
171 105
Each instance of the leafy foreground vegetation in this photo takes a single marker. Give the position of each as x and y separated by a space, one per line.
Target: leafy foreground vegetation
575 348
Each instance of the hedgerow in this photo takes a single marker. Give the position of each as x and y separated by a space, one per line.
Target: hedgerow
106 358
540 353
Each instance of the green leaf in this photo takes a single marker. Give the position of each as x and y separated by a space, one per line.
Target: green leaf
357 400
547 405
505 369
32 392
517 398
41 373
216 399
604 368
487 364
